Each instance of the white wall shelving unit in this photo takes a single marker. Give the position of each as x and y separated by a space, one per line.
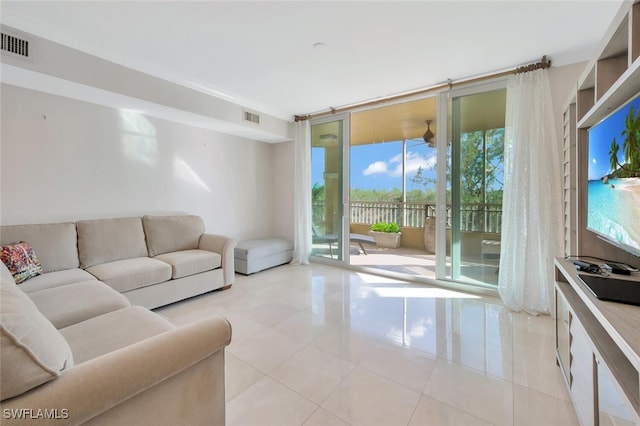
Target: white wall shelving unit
609 80
598 342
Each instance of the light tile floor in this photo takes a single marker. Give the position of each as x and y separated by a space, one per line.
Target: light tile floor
320 345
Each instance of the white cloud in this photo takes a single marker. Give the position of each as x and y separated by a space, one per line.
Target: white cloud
379 167
396 159
594 161
413 163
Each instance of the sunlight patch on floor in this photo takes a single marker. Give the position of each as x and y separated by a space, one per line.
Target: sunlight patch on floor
416 292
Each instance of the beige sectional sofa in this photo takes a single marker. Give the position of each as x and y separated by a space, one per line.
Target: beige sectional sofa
102 361
152 260
74 349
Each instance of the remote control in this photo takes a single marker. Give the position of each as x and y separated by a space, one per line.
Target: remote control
617 268
585 266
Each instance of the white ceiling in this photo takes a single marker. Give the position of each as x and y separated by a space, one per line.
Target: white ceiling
261 54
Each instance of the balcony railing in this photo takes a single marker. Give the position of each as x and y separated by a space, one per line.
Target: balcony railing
474 217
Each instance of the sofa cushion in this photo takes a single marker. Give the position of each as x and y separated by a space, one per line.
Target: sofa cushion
72 303
32 351
56 279
21 261
129 274
108 240
55 243
112 331
172 233
189 262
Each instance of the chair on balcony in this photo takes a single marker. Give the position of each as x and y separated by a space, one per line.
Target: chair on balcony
330 239
318 238
362 239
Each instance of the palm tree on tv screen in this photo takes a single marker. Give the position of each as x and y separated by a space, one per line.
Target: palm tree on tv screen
631 145
613 155
630 148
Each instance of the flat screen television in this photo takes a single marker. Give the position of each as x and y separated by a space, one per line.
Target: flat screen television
613 187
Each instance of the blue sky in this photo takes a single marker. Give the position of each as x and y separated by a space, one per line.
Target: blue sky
379 166
600 137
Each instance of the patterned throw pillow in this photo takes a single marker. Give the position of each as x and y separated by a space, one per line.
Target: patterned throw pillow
21 261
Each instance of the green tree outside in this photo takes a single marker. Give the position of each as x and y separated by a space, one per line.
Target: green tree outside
482 156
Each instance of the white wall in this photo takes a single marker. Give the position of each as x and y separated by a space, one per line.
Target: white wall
63 159
563 81
64 71
283 166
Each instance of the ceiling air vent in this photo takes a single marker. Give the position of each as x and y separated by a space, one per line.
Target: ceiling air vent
15 45
251 117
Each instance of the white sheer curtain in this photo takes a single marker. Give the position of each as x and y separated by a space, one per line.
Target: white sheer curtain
302 194
532 202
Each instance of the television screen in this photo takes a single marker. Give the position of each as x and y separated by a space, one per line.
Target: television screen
613 189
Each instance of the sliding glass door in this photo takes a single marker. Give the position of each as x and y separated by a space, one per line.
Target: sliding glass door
440 180
329 136
474 195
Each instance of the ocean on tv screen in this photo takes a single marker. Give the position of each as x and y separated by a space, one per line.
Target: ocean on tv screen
614 210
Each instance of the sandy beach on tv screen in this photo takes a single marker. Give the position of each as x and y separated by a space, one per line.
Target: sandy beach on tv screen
629 184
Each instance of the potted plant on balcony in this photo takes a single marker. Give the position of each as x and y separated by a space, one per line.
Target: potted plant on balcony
386 234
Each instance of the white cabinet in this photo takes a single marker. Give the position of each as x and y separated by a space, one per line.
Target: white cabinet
575 357
563 339
598 350
613 410
582 385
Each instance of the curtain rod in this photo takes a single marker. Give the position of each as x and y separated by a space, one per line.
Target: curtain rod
543 64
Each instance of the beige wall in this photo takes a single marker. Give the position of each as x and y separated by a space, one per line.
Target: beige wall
61 70
282 158
563 81
73 146
63 159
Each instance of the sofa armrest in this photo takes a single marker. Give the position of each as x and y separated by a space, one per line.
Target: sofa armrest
101 384
225 247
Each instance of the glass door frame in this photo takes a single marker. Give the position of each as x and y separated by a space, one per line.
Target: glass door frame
444 134
343 171
442 138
